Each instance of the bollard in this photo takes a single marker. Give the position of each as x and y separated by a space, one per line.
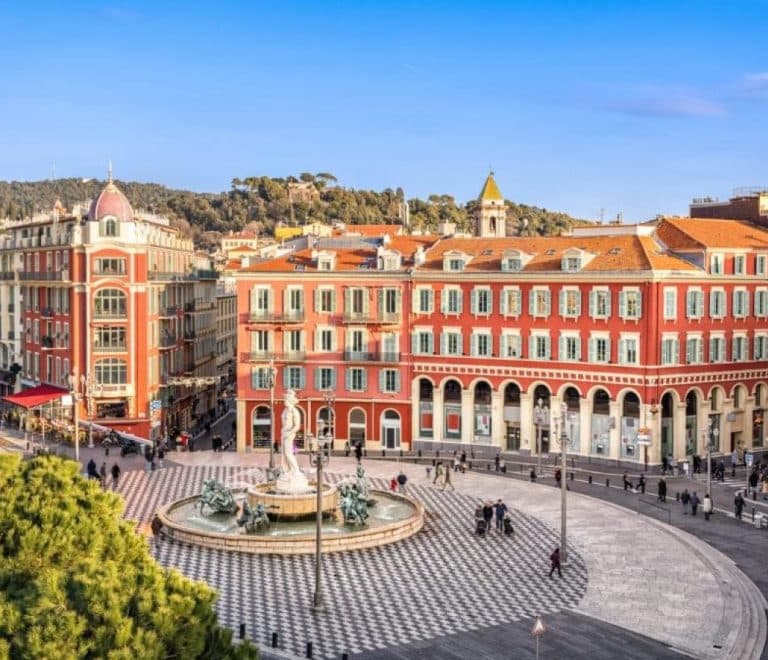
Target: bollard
753 514
309 649
383 453
437 453
488 467
434 462
573 475
419 453
27 446
242 631
401 453
365 453
274 640
607 483
470 465
521 468
590 479
754 495
472 453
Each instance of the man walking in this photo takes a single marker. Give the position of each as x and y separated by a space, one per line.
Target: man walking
554 560
627 482
115 475
488 514
706 507
500 509
358 451
694 503
685 500
438 472
641 484
401 481
662 490
103 475
738 504
447 480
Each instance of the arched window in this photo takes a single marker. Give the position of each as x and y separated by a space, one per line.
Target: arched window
111 372
262 426
110 303
426 396
357 427
390 430
108 226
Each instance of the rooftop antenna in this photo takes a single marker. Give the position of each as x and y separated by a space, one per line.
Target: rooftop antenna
109 173
602 215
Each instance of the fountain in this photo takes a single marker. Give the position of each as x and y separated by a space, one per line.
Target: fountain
277 516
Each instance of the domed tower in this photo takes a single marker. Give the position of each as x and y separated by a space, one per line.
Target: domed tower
491 215
110 209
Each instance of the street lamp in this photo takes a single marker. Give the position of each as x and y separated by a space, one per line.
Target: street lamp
564 440
271 383
318 458
330 397
540 413
711 434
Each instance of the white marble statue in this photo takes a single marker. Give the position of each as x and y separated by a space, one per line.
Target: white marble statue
292 479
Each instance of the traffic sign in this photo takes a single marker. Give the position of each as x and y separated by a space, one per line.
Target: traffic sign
748 458
538 628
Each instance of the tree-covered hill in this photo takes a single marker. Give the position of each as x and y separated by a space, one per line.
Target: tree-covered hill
261 202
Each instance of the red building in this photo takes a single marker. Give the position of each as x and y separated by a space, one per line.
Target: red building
654 332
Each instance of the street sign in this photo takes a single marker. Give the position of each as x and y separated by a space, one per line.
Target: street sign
748 459
538 628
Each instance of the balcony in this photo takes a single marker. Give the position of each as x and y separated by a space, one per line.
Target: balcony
109 272
168 341
169 310
258 356
110 314
109 348
49 276
384 318
46 312
205 274
7 275
198 306
361 356
292 316
162 276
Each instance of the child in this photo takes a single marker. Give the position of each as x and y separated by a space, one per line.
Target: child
393 484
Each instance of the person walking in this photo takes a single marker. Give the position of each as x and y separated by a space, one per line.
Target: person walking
358 451
641 484
753 479
500 509
438 472
496 462
401 481
115 475
764 488
707 507
664 465
393 484
103 475
447 480
456 462
738 505
662 490
160 457
695 501
488 514
627 482
554 560
685 500
734 461
91 469
558 476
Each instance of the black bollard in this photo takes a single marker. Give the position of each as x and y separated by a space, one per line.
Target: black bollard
437 453
401 453
754 495
345 656
383 453
472 452
488 467
607 483
590 479
365 453
242 631
309 649
419 453
274 640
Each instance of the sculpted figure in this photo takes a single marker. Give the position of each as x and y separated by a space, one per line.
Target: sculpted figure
292 479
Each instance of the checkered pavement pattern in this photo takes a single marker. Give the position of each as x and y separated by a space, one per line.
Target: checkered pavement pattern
443 580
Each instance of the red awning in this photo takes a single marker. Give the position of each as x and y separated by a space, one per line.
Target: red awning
36 396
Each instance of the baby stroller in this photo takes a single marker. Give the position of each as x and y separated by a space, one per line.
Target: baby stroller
508 529
481 527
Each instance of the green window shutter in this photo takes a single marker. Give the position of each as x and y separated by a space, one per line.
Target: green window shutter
547 303
302 378
430 300
562 347
622 351
366 301
286 379
592 304
317 300
712 350
347 300
712 302
317 378
415 343
286 299
531 302
348 379
689 303
301 300
443 343
700 299
431 343
364 379
561 307
333 378
503 302
503 340
254 298
380 301
639 304
591 349
622 304
461 301
700 350
444 301
333 301
608 304
473 302
689 351
548 347
578 348
473 344
578 303
397 381
382 380
532 347
398 301
675 352
489 293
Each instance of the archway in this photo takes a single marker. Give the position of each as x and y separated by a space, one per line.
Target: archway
426 413
324 428
261 423
390 429
541 418
667 425
482 413
691 422
357 434
572 400
602 423
758 415
630 423
738 437
715 419
452 410
512 416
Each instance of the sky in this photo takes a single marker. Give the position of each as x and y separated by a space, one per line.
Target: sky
592 108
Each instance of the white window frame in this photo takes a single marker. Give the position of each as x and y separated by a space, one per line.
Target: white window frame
567 336
695 356
672 340
546 299
624 297
418 333
475 296
761 261
506 346
623 350
594 296
670 300
445 337
565 292
510 294
723 302
741 341
474 342
417 300
716 263
760 346
718 337
741 310
319 338
739 264
698 295
761 302
539 339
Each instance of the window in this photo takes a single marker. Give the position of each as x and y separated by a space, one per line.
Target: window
570 348
740 348
110 266
509 303
356 301
740 303
109 338
325 378
294 300
669 350
717 349
760 260
451 301
110 303
694 307
294 341
260 378
716 264
389 381
108 227
539 347
111 372
482 301
717 307
293 378
739 264
451 343
455 264
571 263
694 350
630 304
512 264
628 353
325 341
481 344
570 303
510 345
670 303
423 342
761 347
260 341
600 303
389 302
356 341
425 301
599 349
539 302
325 300
356 378
761 302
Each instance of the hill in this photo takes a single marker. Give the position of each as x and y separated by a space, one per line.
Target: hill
262 202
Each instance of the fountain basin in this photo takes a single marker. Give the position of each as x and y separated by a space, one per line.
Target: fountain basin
293 505
393 518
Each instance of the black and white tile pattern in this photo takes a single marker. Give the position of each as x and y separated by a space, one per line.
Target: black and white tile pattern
441 581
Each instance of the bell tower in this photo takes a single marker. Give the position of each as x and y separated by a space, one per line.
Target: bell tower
491 215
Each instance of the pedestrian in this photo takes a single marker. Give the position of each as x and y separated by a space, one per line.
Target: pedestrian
764 488
160 457
532 475
347 448
685 500
738 505
393 484
488 514
558 476
500 509
438 472
447 480
664 465
115 475
103 475
463 460
503 466
662 490
626 481
429 472
456 463
695 501
401 481
641 484
358 451
706 506
554 560
91 469
753 479
497 461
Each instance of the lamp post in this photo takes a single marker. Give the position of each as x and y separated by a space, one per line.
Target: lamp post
271 382
539 416
73 384
711 433
88 387
330 427
318 459
563 439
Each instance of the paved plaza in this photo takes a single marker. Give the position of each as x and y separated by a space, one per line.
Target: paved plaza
632 583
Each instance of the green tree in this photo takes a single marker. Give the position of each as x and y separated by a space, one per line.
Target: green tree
76 581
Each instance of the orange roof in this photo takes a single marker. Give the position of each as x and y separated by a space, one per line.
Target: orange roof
697 233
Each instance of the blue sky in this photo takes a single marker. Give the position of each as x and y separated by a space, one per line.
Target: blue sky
577 106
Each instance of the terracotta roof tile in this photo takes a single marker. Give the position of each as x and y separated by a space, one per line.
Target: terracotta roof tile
696 233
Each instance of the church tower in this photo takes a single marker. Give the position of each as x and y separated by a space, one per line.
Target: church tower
491 215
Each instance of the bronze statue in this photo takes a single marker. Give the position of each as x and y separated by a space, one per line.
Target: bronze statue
217 498
254 518
354 508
